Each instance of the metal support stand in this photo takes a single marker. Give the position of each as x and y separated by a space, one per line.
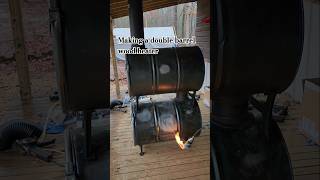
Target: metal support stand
137 103
267 113
181 95
87 130
141 150
266 109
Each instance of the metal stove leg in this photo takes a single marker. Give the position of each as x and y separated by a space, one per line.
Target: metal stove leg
267 114
141 150
137 103
87 128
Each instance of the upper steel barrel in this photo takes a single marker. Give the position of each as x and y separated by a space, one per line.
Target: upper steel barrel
171 70
257 46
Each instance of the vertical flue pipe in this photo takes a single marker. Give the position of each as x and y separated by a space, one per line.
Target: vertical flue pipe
136 19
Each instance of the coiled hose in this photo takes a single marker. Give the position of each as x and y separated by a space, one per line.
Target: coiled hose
17 129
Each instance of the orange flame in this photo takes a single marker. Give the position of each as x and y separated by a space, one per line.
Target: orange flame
180 143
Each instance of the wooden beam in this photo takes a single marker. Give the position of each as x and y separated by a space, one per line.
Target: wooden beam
146 3
119 8
20 50
114 62
124 12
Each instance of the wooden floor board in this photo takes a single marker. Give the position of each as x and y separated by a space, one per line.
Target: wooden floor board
305 157
162 160
16 166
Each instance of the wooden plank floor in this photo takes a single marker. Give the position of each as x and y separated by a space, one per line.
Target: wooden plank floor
163 160
166 161
305 157
17 166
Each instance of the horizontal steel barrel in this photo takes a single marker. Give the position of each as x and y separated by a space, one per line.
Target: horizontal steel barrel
169 71
256 50
159 121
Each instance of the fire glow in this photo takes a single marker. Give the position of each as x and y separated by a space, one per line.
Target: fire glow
179 141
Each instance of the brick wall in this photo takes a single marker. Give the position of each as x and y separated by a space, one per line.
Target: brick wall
36 30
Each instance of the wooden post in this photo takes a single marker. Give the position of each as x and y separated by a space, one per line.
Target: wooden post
20 50
186 21
175 17
114 62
